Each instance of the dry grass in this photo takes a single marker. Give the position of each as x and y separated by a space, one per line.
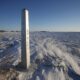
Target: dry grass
8 74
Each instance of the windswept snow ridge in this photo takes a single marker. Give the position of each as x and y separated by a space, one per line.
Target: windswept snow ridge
56 56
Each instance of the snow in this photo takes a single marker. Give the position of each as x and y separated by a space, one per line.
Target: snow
56 56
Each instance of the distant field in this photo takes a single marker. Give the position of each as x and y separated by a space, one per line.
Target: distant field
56 54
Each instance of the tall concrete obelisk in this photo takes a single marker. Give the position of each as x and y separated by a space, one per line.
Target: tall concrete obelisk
25 46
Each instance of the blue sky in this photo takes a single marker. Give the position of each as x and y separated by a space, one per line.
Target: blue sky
45 15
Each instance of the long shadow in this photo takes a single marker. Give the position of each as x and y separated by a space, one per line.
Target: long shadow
38 71
73 75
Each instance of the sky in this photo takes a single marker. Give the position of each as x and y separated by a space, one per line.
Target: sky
44 15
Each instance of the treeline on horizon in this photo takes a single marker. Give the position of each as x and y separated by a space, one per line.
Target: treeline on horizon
8 31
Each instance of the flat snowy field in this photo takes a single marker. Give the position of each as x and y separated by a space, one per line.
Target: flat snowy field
55 54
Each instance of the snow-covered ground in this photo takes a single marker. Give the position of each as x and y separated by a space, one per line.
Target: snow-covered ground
55 54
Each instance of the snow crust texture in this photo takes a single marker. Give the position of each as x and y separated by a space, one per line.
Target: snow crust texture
54 55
